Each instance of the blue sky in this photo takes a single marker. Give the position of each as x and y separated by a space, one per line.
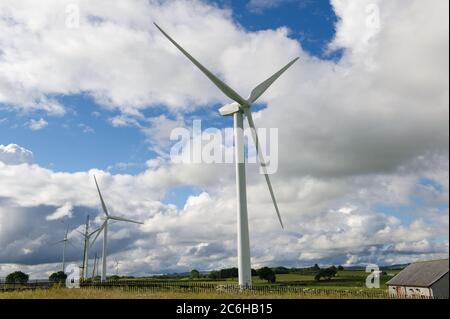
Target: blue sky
311 22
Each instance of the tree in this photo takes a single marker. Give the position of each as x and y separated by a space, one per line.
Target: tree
59 276
280 270
229 273
267 274
214 275
17 277
114 278
316 267
327 273
340 268
195 274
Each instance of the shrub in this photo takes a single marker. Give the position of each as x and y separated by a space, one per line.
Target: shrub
327 273
58 277
267 274
17 277
195 274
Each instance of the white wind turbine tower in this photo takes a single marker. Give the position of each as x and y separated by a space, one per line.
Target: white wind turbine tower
65 241
117 262
237 109
94 269
87 238
104 228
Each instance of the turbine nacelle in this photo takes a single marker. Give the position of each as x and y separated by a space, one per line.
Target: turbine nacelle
230 109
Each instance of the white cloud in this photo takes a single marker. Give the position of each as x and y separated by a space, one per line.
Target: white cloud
64 211
37 125
86 128
14 154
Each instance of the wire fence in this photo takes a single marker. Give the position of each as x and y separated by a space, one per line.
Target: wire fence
205 287
30 285
257 290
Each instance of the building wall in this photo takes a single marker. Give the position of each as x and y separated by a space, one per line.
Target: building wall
397 291
418 292
440 287
409 292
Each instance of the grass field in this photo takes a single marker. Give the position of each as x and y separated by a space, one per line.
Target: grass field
347 279
347 284
63 293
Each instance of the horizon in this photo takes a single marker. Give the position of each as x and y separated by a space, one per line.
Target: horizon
351 267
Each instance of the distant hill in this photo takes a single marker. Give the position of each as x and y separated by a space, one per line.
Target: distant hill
390 267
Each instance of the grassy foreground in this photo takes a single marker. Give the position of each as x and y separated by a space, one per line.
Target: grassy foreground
63 293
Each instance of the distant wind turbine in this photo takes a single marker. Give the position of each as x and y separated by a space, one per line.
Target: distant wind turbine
87 237
237 109
65 241
94 269
104 228
117 262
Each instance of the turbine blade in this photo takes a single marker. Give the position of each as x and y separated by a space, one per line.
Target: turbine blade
99 231
105 210
81 233
89 235
70 243
228 91
125 220
260 89
262 162
58 242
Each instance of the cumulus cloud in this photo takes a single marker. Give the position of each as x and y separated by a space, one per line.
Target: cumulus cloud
363 163
14 154
64 211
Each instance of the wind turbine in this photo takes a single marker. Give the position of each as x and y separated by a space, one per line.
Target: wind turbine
237 109
65 241
104 228
94 270
117 262
87 237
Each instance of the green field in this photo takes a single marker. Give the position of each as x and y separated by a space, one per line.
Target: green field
347 284
347 279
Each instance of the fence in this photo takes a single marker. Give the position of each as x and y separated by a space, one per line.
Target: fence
205 287
258 290
30 285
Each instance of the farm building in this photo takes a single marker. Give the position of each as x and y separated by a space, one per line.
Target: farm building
426 279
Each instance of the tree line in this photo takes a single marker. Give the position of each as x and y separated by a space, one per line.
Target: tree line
264 273
270 274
